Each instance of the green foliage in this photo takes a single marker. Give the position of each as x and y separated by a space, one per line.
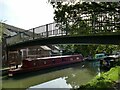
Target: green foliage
105 80
107 48
83 49
113 74
89 49
87 17
81 28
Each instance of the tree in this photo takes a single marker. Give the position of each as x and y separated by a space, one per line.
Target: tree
87 17
108 48
83 18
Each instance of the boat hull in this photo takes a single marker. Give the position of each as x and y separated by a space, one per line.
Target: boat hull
46 65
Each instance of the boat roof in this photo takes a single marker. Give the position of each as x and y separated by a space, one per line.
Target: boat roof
111 57
43 58
45 48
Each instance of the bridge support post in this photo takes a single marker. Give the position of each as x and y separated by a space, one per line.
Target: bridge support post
33 33
47 30
66 28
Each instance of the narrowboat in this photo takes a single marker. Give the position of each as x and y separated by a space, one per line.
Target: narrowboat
33 64
108 61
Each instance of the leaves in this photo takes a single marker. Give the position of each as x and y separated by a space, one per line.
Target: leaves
88 17
104 81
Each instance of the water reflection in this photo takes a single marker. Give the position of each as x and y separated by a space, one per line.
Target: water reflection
73 75
56 83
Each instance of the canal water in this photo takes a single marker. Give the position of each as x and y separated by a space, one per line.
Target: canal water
71 75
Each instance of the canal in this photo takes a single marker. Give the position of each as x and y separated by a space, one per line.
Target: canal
72 75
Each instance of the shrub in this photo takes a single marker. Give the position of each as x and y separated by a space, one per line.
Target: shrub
104 81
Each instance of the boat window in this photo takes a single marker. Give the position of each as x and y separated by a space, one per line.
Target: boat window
77 58
53 60
63 59
71 59
44 62
34 64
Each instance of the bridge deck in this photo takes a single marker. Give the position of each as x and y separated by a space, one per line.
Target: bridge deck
98 39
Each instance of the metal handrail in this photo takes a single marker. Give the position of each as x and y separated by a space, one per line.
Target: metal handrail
95 23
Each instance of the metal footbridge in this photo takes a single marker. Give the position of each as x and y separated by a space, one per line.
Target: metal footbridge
51 34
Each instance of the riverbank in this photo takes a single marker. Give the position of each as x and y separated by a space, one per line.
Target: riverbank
108 80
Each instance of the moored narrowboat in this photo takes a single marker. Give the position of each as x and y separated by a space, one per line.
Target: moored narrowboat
33 64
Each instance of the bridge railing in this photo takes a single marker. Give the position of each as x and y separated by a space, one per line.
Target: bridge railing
88 24
44 31
48 30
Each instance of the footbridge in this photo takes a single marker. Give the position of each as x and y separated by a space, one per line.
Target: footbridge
51 34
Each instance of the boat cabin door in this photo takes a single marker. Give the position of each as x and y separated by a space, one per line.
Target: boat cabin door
13 59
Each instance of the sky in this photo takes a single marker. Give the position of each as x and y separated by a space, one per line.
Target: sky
26 14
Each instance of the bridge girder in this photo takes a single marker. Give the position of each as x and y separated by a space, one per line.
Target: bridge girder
93 39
